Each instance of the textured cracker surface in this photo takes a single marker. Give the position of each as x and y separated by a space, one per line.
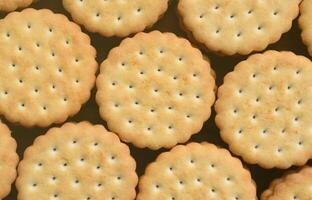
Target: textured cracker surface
47 67
196 171
263 109
77 161
10 5
306 23
117 17
8 160
237 27
155 90
293 186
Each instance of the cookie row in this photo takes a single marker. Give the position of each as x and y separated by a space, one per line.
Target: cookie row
156 87
85 161
222 26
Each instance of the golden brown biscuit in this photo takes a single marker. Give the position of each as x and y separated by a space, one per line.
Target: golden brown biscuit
47 67
237 27
117 17
155 90
263 109
196 171
294 186
8 160
77 161
305 23
10 5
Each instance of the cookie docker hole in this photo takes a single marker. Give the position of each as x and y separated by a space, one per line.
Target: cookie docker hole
276 109
296 119
235 111
254 75
298 71
279 150
136 102
239 34
170 127
98 167
276 12
264 131
138 10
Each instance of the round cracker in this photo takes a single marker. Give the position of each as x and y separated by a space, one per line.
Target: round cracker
47 67
196 171
116 18
77 161
294 186
8 160
305 23
237 27
263 109
10 5
155 90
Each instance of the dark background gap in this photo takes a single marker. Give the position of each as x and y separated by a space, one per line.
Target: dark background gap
290 41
